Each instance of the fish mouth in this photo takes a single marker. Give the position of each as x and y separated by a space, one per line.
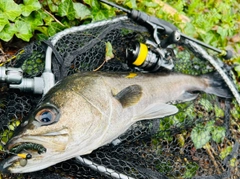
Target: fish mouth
19 154
26 153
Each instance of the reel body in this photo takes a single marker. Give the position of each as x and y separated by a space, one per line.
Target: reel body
149 57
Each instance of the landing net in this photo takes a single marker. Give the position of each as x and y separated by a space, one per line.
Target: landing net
201 141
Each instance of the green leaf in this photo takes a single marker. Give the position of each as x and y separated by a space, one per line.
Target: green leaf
190 111
54 28
225 152
207 105
66 9
53 6
102 14
67 23
194 6
6 135
24 30
29 6
180 140
98 15
191 169
218 133
10 9
219 112
190 30
3 21
233 162
43 30
209 125
94 4
150 4
235 111
223 32
109 51
81 11
35 20
8 32
46 17
237 69
41 36
200 136
179 5
131 4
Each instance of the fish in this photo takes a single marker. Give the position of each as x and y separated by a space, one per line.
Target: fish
87 110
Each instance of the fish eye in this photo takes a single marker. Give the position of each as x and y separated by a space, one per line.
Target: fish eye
47 115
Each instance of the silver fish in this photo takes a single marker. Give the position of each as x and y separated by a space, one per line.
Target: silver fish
90 109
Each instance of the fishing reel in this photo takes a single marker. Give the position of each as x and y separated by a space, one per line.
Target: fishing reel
149 57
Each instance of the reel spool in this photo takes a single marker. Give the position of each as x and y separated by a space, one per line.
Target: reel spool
148 58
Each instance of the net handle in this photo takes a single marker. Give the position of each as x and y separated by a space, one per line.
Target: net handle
100 168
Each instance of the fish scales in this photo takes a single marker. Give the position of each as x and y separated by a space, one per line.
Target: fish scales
87 110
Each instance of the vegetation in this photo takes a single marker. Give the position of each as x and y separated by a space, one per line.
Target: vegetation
215 22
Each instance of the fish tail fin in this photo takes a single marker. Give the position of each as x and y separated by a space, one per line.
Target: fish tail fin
216 85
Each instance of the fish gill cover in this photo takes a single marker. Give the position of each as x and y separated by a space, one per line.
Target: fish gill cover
197 142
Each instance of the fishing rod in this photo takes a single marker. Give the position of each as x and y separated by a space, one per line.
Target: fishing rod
174 35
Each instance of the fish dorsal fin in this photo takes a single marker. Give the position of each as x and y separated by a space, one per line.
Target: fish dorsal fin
155 111
129 95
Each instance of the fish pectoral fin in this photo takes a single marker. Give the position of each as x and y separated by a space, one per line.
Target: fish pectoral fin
129 95
155 111
187 96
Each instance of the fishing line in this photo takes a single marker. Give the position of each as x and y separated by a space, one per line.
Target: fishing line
23 157
20 155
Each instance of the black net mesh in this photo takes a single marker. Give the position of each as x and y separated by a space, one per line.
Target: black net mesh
149 149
